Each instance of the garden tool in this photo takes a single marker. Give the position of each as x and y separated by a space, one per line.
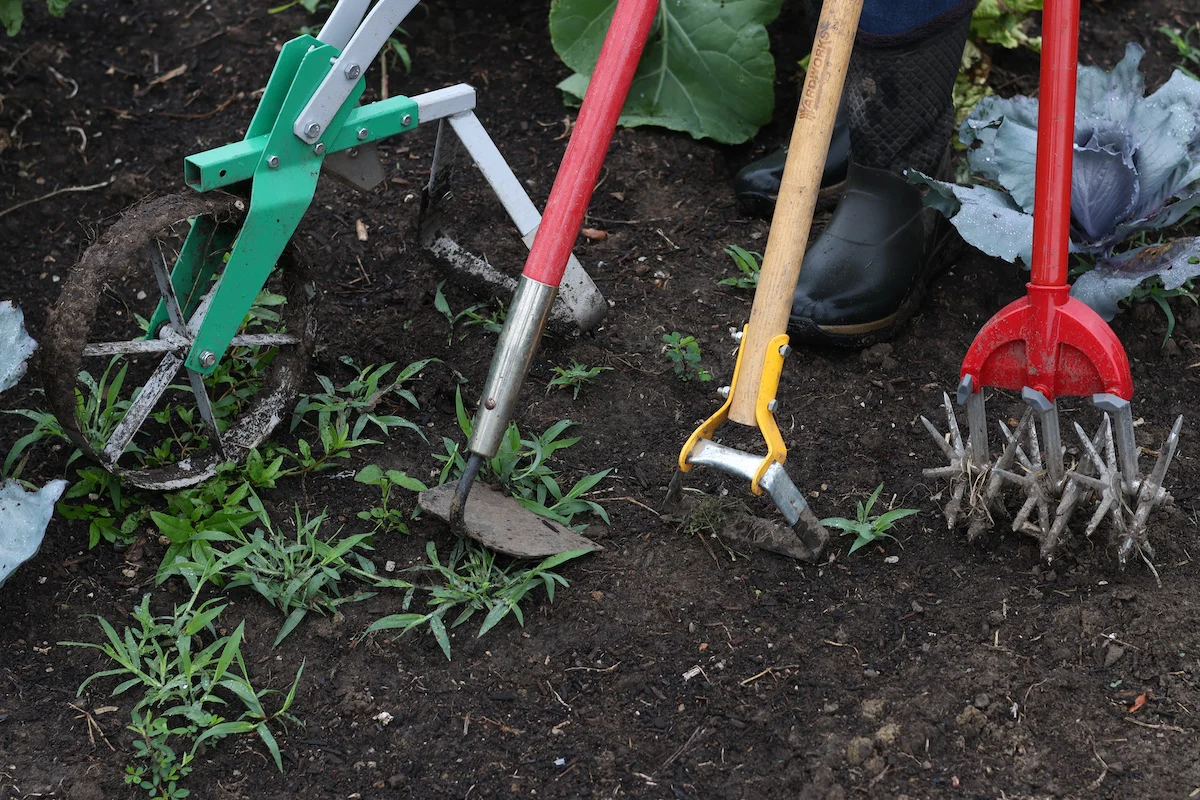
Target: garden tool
1048 345
569 198
204 258
750 397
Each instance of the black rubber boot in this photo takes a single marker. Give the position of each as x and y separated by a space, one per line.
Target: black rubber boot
757 184
867 271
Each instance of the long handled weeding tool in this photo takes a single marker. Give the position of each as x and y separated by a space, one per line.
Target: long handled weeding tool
476 515
1049 345
750 397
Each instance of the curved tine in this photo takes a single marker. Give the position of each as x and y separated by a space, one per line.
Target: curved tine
167 290
939 438
1091 445
1035 449
955 504
1167 454
1022 517
1012 477
1009 453
955 434
140 408
1107 501
951 471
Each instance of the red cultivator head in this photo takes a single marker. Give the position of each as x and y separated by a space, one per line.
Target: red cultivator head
1052 343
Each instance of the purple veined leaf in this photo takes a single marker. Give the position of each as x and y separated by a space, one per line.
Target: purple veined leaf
1104 190
987 219
1113 279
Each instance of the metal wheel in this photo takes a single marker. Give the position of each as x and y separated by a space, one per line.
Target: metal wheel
118 392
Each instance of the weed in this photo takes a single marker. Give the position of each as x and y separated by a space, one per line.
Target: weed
574 377
300 574
359 398
187 674
684 354
749 264
1153 290
1189 53
868 528
112 513
385 517
336 443
472 581
492 322
522 467
46 427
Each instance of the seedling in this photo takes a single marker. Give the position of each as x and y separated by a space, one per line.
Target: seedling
683 351
868 528
492 322
358 399
385 517
574 377
1189 53
749 264
474 582
522 467
300 574
1153 290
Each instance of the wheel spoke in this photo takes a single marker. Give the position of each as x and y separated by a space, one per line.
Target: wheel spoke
141 407
167 289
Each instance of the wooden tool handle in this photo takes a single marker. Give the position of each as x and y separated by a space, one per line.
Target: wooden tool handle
797 196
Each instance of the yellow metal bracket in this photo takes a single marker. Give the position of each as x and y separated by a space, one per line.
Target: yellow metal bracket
768 385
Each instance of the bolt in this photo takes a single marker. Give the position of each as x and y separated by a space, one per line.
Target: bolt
723 391
363 133
332 59
785 351
406 120
737 335
352 152
207 358
352 72
313 130
273 162
319 148
772 404
490 403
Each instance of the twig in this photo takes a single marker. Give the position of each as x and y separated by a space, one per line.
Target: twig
93 726
206 114
1172 728
630 500
48 195
593 669
1103 772
696 733
558 696
766 671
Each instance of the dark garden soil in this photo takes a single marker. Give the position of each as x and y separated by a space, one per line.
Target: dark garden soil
670 667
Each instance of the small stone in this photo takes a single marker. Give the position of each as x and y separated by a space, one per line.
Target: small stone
874 765
874 355
1113 654
995 618
972 721
870 673
397 781
891 560
887 735
859 750
1170 349
873 708
982 701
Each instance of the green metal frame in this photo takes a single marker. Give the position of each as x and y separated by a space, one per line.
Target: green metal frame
283 171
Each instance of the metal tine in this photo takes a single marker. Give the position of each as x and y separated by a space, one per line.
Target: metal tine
976 420
955 434
140 408
1121 411
941 441
1166 455
1047 411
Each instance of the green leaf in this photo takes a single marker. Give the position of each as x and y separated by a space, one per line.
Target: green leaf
707 69
11 16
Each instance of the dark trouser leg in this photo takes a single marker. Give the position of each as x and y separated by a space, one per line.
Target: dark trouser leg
867 271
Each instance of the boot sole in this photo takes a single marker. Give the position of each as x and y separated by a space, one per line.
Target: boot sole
947 247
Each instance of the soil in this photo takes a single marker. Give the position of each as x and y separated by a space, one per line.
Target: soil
673 666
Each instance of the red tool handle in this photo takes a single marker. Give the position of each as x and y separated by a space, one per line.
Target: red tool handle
1055 143
580 168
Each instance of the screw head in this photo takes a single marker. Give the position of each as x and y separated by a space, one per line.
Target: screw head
772 405
313 129
273 162
363 133
785 351
406 120
319 148
723 391
352 152
737 335
352 72
207 358
490 403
